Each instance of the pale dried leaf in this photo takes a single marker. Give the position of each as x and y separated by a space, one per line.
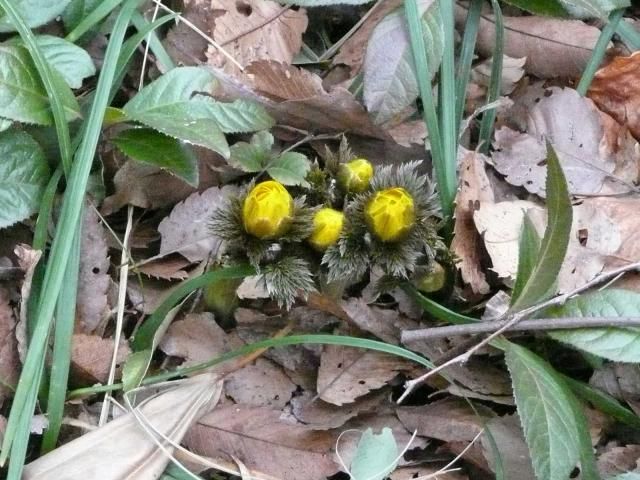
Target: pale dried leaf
93 278
408 133
9 359
187 231
512 73
553 47
467 243
264 441
256 30
28 261
122 449
385 324
262 384
91 356
348 373
595 155
615 460
252 288
614 89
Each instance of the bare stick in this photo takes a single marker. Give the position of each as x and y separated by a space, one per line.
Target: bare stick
509 319
525 325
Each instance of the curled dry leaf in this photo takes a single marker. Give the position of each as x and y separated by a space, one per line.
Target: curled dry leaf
124 449
91 357
255 30
9 359
28 261
321 415
508 440
597 155
168 268
296 97
93 279
512 73
265 442
553 47
348 373
137 184
615 460
614 89
186 230
467 243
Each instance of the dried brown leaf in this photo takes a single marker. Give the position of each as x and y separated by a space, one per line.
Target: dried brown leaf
252 30
508 440
168 268
187 231
91 357
9 359
93 279
467 243
295 97
28 261
265 442
262 384
553 47
614 90
348 373
615 460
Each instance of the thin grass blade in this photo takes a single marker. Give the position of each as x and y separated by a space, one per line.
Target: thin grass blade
466 56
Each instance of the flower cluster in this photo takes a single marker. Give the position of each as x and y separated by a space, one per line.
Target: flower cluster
349 218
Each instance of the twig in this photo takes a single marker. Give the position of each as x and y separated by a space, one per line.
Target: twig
525 325
509 319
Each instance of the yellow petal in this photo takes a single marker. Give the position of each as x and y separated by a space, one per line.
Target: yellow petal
327 227
390 214
267 210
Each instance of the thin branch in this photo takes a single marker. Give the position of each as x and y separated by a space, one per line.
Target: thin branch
524 326
509 319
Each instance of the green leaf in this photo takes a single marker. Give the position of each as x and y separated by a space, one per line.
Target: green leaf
252 157
167 105
618 344
134 369
34 12
390 84
552 8
290 168
240 116
626 476
24 173
148 146
593 8
376 456
556 237
529 248
76 11
73 63
549 422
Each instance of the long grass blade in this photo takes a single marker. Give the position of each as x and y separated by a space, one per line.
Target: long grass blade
61 359
495 84
599 51
466 56
629 35
429 113
51 84
26 393
96 16
162 57
447 108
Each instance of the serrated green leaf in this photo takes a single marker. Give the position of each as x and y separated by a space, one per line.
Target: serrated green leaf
240 116
167 105
549 422
551 8
24 173
34 12
73 63
152 147
618 344
528 249
556 237
390 84
290 168
376 456
249 158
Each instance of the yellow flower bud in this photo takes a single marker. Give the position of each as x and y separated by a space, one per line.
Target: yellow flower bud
355 175
390 214
327 227
268 210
